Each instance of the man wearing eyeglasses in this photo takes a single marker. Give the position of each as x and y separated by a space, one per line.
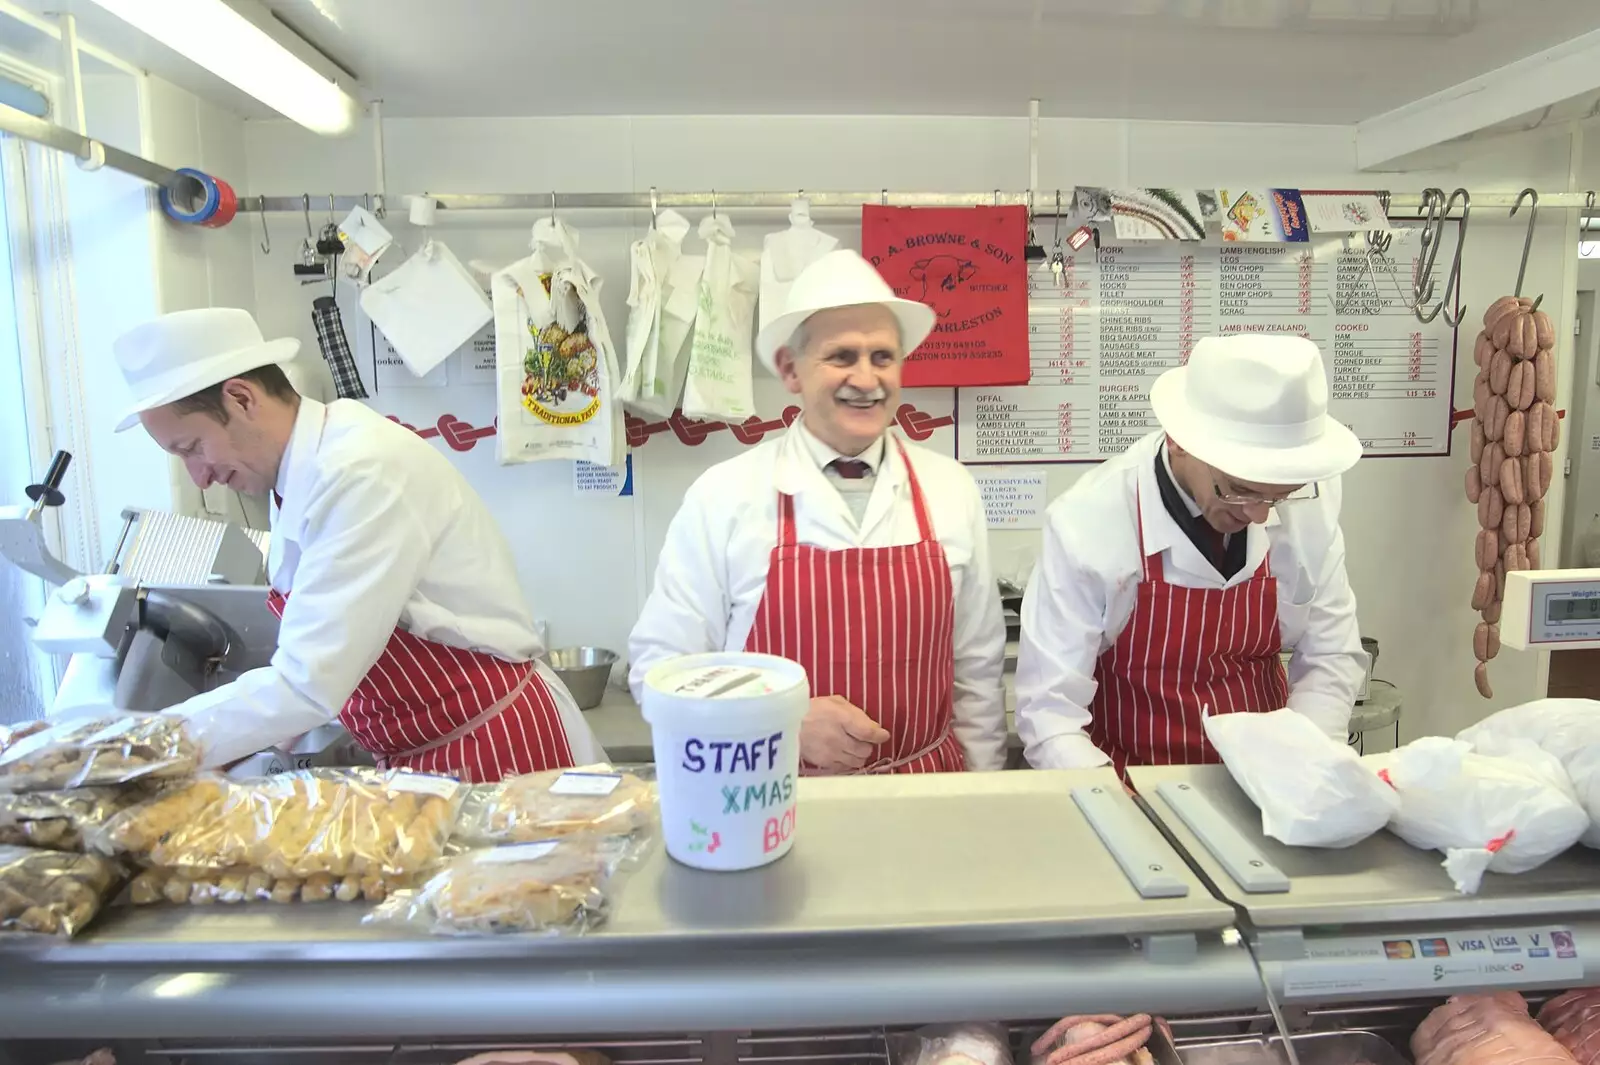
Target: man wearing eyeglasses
1172 575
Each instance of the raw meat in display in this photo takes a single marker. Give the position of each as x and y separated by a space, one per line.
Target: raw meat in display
1485 1029
1099 1039
1574 1020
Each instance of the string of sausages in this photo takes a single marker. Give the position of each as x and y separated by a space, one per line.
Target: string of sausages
1514 430
1094 1039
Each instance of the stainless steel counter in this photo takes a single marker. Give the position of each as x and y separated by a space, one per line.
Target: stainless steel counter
1378 881
905 899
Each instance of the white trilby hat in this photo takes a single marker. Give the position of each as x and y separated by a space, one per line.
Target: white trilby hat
841 278
1255 406
179 354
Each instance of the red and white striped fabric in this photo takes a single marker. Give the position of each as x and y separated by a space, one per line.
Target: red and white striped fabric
1182 651
875 626
420 692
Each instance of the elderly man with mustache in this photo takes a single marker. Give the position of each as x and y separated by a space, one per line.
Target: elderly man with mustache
842 547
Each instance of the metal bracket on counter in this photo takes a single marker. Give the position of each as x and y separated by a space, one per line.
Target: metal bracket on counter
1174 948
1243 861
1132 841
1279 944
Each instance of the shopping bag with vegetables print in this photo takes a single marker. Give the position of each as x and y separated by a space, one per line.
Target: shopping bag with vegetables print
556 368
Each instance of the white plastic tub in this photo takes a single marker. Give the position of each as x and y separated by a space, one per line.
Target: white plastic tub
726 732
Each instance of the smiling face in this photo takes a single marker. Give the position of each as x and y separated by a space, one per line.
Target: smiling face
847 374
235 438
1229 505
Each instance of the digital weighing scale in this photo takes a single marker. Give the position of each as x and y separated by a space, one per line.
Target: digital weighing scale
1551 609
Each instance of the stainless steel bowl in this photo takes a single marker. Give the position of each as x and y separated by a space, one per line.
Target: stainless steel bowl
584 670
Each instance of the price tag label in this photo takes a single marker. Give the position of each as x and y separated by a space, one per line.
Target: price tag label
423 784
1490 958
586 784
518 852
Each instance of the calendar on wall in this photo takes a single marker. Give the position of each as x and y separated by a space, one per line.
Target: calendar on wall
1111 320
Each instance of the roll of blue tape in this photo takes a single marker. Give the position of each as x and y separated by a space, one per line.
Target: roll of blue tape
208 206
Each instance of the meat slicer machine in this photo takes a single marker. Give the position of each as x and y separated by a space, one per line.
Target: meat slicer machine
180 609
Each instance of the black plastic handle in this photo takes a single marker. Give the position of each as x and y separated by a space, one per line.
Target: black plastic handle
49 491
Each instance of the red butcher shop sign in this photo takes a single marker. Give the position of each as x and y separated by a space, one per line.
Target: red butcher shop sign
969 265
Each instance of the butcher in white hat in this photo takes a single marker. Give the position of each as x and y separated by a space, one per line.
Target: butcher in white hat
400 612
844 548
1172 576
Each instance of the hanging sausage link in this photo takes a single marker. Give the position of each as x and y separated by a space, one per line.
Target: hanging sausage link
1514 431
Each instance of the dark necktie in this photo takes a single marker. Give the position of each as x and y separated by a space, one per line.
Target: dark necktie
850 469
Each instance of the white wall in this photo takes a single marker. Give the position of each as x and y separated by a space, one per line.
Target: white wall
585 563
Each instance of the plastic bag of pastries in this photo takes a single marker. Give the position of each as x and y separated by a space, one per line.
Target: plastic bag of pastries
549 886
588 800
109 749
203 887
57 820
52 892
336 822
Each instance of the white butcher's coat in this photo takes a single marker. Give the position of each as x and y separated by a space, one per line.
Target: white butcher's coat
713 567
1081 596
377 529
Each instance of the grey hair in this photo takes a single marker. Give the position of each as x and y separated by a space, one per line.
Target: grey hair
799 338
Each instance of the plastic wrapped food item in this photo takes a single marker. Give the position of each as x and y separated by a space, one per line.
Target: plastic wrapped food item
203 887
537 1057
98 750
1099 1039
590 800
52 893
11 735
57 820
952 1044
1574 1020
550 886
338 823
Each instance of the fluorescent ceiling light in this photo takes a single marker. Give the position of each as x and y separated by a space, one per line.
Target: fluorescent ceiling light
235 49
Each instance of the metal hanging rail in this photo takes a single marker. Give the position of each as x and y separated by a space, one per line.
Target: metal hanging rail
21 124
1400 204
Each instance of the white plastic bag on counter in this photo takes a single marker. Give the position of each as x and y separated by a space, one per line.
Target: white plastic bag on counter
720 385
556 369
1506 813
1566 728
652 262
1312 790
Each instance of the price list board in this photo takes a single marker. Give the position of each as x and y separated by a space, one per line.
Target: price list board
1103 326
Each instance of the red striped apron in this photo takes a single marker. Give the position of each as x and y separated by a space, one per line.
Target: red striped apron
1185 649
875 626
440 709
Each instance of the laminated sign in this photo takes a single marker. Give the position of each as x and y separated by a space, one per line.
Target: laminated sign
968 264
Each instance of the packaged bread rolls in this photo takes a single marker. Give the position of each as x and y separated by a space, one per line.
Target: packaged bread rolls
319 822
550 887
204 887
589 800
57 820
50 892
85 751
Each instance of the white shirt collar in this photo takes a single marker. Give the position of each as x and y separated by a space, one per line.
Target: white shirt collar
303 441
1183 493
823 454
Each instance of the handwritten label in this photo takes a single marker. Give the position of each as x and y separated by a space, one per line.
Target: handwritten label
1511 957
586 784
1012 499
518 852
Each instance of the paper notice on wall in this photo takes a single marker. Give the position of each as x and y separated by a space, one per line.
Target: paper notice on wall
1012 498
592 479
1594 443
1343 212
392 372
475 359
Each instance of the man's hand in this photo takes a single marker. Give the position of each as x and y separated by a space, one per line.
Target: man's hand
838 737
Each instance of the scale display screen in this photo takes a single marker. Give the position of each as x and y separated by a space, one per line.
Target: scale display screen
1566 609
